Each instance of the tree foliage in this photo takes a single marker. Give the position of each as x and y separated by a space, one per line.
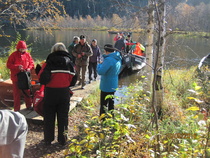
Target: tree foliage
17 11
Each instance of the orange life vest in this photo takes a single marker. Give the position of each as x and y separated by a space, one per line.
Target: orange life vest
138 50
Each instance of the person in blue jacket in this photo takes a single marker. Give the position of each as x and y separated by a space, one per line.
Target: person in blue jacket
109 70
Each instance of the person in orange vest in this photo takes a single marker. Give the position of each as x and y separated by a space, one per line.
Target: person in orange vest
138 50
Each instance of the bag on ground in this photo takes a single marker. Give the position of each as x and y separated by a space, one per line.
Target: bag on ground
38 100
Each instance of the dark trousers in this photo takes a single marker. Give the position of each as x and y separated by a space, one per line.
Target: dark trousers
106 104
92 68
56 103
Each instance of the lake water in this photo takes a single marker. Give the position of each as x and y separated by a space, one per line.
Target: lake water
180 51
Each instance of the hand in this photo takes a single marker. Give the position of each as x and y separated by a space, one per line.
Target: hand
20 67
79 56
83 53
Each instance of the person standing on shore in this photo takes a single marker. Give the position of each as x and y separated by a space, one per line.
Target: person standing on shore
82 52
71 47
109 70
57 92
94 59
18 61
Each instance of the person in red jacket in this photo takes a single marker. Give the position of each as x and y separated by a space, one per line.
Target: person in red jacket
57 92
20 60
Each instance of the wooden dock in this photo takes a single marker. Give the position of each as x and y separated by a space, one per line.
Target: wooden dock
79 95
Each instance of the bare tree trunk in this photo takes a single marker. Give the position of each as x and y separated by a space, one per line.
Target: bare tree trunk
157 89
150 43
159 58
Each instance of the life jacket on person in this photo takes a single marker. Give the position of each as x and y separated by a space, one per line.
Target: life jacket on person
138 50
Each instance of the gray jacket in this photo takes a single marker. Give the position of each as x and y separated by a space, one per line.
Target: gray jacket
78 49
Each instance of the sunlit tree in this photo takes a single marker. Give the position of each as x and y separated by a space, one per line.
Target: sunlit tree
18 11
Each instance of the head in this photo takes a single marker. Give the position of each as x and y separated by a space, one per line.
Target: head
21 46
82 39
76 39
94 42
109 48
59 46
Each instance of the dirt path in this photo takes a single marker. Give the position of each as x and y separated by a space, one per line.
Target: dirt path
35 147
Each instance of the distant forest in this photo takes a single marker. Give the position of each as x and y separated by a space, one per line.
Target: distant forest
106 8
184 15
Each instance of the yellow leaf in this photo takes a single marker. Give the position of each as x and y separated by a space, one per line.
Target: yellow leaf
101 135
102 116
191 98
193 108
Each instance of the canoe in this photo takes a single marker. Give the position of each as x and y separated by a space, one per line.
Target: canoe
6 90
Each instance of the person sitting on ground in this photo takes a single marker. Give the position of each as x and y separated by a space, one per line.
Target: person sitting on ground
13 132
18 61
71 47
109 70
93 60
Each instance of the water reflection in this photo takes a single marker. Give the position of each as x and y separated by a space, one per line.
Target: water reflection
180 51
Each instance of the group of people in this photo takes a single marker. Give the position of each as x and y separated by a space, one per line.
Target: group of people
60 62
125 44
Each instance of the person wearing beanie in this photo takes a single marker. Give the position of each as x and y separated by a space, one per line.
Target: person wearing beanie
57 93
76 40
82 52
20 60
109 70
94 60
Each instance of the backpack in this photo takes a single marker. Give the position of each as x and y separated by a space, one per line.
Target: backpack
24 80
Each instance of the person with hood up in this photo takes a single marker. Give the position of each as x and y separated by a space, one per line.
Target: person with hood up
57 93
13 132
109 70
20 60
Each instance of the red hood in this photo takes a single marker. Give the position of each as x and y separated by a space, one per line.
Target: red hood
21 45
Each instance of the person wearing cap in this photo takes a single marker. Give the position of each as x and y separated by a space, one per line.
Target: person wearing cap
93 60
82 52
71 47
13 132
20 60
109 70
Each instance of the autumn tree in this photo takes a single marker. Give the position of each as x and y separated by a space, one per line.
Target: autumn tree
18 11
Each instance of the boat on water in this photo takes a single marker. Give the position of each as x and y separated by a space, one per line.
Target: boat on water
133 62
135 59
116 32
6 90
